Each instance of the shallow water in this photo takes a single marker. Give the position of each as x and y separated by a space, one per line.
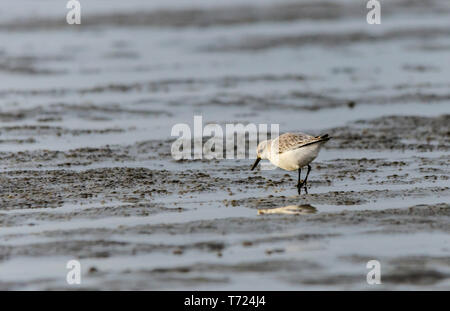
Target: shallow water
86 116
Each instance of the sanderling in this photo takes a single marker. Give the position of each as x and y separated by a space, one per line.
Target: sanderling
291 151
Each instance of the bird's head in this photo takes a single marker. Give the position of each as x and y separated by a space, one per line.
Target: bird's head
262 152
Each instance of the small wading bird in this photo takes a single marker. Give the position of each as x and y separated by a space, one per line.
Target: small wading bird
291 151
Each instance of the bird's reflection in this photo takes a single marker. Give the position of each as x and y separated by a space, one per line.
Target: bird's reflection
290 209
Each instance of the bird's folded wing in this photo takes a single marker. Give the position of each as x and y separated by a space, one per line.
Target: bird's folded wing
291 141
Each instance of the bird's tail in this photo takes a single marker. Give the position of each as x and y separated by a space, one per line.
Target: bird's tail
324 137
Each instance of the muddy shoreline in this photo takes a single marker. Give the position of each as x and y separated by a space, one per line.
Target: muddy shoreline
87 171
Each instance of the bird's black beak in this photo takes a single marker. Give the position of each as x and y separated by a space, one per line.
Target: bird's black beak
256 163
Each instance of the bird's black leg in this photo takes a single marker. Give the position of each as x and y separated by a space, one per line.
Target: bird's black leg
306 178
299 183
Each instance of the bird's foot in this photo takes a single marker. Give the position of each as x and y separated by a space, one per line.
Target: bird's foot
300 185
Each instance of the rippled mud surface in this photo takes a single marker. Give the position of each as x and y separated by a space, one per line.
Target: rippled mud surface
85 146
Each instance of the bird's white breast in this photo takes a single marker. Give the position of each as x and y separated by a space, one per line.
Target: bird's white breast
297 158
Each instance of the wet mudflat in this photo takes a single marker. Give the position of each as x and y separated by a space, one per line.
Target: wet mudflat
85 147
